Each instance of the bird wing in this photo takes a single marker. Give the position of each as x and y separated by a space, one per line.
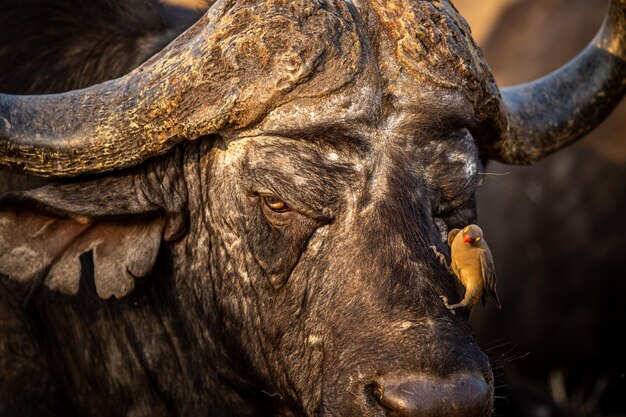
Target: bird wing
451 235
489 277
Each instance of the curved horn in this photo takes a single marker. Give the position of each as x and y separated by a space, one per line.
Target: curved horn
85 131
555 111
225 72
107 126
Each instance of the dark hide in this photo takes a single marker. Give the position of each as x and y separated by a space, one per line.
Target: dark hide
91 239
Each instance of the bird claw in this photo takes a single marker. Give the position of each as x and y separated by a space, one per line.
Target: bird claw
442 259
445 302
439 255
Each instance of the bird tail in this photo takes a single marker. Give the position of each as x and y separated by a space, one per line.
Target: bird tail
494 297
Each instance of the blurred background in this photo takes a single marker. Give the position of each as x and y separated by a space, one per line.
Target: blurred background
557 231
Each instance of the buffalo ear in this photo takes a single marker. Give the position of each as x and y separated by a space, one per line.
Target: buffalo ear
42 239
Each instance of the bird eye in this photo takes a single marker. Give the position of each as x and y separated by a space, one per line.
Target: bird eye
477 239
466 229
276 204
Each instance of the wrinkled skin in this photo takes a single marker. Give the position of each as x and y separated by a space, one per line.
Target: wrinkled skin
322 315
317 325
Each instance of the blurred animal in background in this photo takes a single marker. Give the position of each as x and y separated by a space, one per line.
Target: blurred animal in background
560 263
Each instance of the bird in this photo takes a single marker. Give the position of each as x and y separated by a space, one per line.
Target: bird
472 263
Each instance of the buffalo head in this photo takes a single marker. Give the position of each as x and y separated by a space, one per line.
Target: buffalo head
281 171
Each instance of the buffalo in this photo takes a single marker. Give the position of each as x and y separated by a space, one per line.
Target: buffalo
242 224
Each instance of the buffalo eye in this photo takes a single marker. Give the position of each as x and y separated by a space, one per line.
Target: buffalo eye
275 204
279 242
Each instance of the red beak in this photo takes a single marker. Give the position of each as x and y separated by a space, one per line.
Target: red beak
467 239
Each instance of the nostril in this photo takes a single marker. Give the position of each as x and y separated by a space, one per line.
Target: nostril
421 396
377 391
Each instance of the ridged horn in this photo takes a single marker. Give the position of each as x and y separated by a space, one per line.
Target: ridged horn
108 126
552 112
224 73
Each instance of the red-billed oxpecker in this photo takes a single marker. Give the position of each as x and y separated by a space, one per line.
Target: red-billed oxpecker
472 264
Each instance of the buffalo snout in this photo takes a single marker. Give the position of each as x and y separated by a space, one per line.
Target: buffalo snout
420 395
